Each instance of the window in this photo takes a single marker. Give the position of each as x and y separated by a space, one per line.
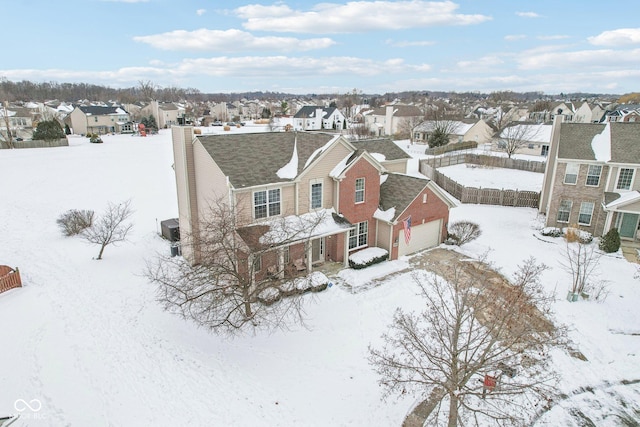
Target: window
266 203
285 254
257 265
358 235
625 176
316 195
424 198
593 175
586 212
359 190
564 211
571 173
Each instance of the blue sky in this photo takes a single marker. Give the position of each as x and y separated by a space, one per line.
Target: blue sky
327 47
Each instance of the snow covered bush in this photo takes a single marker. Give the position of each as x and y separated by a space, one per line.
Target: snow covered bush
94 138
462 232
367 257
74 221
574 234
551 232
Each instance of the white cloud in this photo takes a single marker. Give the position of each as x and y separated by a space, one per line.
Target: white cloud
514 37
556 37
528 14
406 43
201 12
483 64
291 67
229 41
598 59
622 36
355 16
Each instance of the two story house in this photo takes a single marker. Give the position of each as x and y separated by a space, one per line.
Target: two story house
98 119
591 178
359 192
318 118
475 130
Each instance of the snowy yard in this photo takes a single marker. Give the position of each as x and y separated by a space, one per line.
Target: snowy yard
87 341
478 176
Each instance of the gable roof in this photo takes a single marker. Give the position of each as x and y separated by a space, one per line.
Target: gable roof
94 110
251 159
399 110
576 141
383 146
309 112
398 191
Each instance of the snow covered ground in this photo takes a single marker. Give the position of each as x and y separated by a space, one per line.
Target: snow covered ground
85 343
477 176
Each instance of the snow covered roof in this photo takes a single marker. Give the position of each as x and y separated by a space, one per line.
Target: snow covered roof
619 142
293 228
613 200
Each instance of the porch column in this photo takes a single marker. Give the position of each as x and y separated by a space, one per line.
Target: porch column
607 222
346 249
309 256
281 263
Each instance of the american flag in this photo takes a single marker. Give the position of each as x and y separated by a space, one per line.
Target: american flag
406 224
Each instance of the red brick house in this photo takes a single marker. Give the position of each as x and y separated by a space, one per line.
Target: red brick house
354 195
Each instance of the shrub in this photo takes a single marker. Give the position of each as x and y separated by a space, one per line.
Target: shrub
551 232
574 234
94 138
48 130
367 257
610 242
462 232
74 221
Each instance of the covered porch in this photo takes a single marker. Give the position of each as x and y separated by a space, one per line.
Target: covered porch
623 213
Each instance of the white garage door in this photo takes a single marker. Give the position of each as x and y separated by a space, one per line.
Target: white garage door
423 236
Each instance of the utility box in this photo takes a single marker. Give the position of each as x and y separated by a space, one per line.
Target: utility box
171 229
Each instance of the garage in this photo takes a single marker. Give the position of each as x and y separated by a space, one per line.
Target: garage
423 236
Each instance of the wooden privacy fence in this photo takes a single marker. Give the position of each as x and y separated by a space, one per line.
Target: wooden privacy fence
484 196
9 278
483 160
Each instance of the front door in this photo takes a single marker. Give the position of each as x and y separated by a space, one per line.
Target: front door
317 250
628 225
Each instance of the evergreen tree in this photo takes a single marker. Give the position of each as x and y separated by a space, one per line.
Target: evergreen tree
48 130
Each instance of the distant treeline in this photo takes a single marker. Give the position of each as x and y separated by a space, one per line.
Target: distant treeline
72 92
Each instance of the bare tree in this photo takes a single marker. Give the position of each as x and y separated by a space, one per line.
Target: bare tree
478 349
514 137
441 121
7 123
242 278
147 89
111 227
406 126
581 261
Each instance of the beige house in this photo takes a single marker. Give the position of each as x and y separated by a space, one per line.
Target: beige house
591 178
531 139
359 191
166 114
477 130
98 119
389 119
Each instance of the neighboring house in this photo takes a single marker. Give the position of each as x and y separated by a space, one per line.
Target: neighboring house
21 121
624 113
318 118
98 119
532 139
591 178
478 131
389 119
283 176
166 114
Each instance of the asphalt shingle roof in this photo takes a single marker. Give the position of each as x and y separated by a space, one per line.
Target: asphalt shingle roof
251 159
384 146
576 138
399 191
